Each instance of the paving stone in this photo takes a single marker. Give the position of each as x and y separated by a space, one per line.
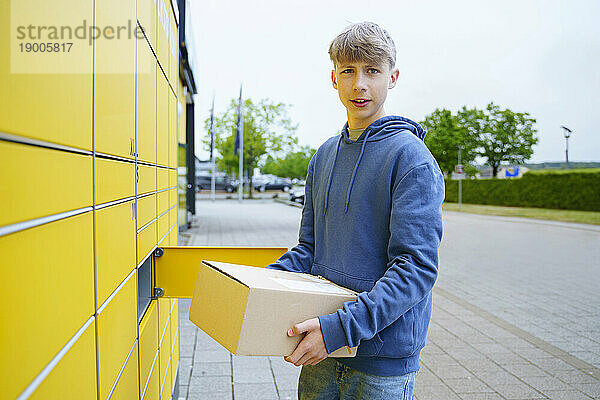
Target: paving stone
212 369
216 356
286 382
522 370
254 391
288 395
496 378
450 371
279 366
252 375
566 395
202 384
546 382
435 392
577 377
467 385
591 389
184 374
518 392
481 396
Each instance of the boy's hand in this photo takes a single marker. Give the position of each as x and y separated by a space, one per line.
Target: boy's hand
311 350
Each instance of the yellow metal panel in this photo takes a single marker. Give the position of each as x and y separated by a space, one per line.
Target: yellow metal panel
117 330
162 175
172 131
173 236
146 177
47 276
77 367
128 386
164 332
173 50
167 385
182 116
152 385
63 181
115 247
146 241
173 215
175 357
115 79
114 180
177 268
163 225
146 14
146 210
54 107
162 32
146 103
162 119
163 201
148 343
173 194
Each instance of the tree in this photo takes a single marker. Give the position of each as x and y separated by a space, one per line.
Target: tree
502 135
445 135
266 127
293 165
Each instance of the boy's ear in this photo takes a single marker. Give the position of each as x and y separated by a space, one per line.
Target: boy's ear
333 79
393 78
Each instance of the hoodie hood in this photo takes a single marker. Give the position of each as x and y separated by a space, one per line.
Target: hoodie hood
378 130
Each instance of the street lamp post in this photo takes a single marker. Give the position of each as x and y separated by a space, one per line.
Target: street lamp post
567 133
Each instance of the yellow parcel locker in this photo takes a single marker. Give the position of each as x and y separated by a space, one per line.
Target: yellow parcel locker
174 51
115 79
146 15
162 176
77 367
162 29
150 390
175 357
63 180
146 241
164 332
173 182
163 226
46 96
163 201
146 103
172 130
114 180
40 296
146 210
117 330
146 178
167 384
115 247
128 387
173 236
148 344
162 119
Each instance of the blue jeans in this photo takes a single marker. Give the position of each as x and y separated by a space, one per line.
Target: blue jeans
332 380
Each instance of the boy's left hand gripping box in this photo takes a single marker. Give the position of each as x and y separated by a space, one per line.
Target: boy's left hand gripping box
248 310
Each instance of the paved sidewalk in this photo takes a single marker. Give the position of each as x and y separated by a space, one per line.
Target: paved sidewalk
474 350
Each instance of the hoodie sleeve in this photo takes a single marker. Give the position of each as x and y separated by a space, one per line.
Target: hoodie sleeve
300 257
415 235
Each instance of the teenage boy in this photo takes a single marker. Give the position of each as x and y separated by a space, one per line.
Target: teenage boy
371 222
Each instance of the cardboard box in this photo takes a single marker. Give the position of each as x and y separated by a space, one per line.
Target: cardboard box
248 310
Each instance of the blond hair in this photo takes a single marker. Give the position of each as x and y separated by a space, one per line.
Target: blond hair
363 41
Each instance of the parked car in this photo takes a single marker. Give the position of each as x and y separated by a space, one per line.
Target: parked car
282 184
221 183
297 196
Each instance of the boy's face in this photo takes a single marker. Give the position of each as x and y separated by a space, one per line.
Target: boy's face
362 88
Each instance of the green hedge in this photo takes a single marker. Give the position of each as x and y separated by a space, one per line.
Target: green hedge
567 191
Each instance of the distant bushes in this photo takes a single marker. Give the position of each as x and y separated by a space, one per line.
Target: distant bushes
558 190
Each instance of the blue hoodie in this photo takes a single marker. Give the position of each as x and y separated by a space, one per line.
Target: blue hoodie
372 222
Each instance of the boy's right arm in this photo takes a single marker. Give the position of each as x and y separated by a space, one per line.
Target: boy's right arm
300 257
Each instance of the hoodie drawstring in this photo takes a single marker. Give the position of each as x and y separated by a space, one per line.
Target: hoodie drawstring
362 151
331 175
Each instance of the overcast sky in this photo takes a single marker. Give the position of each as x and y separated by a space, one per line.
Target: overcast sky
540 57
